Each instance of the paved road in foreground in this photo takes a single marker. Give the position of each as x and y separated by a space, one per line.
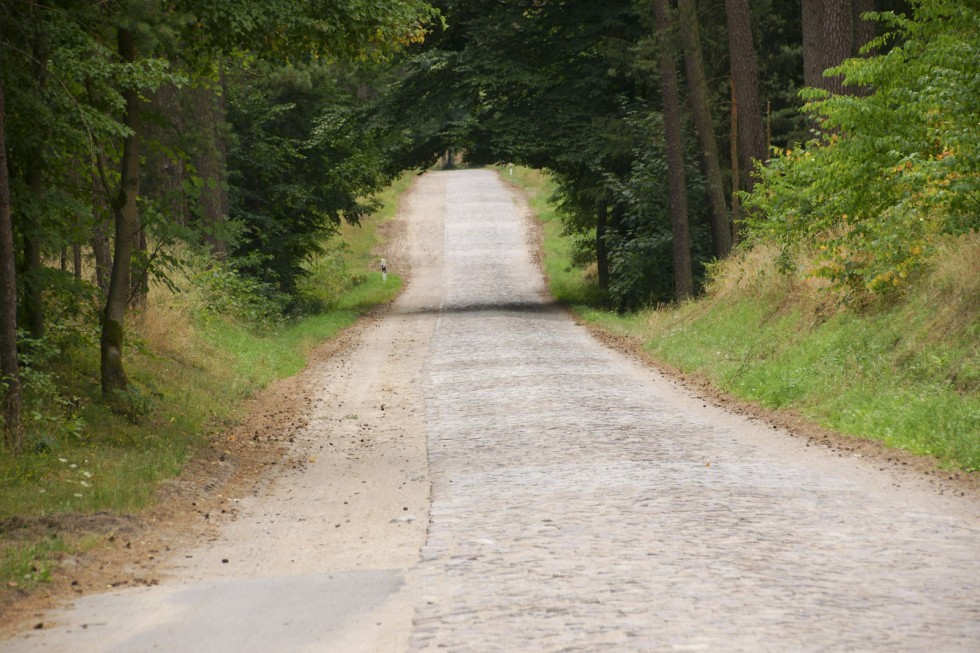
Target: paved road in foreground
580 503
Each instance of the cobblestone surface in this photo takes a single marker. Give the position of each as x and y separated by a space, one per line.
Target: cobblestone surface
580 503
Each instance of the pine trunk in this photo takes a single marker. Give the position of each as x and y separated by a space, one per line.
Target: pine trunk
139 286
9 368
126 219
838 39
683 275
76 260
751 135
864 30
737 215
812 47
832 33
721 231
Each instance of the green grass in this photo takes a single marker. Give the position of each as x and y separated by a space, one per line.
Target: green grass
567 283
25 565
902 371
193 371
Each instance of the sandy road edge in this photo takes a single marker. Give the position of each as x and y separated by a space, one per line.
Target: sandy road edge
133 550
911 468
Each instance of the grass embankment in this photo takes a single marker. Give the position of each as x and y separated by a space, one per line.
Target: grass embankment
194 357
905 371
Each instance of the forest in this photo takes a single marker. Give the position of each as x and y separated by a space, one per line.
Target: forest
147 143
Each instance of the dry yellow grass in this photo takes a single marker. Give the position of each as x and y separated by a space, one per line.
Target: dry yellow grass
953 286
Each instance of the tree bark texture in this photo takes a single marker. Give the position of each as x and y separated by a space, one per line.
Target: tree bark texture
838 39
139 275
832 32
733 157
683 275
751 135
812 46
697 86
126 220
864 30
9 367
76 260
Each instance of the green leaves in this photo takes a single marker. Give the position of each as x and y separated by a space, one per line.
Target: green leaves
896 168
292 31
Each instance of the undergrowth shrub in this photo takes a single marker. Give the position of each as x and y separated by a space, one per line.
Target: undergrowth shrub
896 169
222 290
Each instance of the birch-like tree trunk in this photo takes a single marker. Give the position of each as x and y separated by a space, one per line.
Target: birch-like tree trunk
126 217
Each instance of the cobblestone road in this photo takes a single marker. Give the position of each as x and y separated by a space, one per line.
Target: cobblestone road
581 503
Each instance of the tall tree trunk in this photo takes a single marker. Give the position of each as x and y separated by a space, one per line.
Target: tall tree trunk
139 275
601 251
733 157
832 32
126 220
838 39
683 275
697 86
864 30
9 367
76 260
813 58
751 136
211 162
102 252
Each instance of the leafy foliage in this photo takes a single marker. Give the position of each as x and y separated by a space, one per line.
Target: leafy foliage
895 168
299 166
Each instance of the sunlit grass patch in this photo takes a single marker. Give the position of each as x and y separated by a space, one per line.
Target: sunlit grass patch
568 283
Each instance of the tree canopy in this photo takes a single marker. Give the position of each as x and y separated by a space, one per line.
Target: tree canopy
136 132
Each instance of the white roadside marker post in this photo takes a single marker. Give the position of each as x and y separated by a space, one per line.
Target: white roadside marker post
384 271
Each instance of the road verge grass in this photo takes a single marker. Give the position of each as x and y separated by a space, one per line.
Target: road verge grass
192 367
901 370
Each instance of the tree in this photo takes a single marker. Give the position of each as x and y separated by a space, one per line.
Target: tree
745 72
126 221
904 157
683 278
697 85
828 40
9 369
